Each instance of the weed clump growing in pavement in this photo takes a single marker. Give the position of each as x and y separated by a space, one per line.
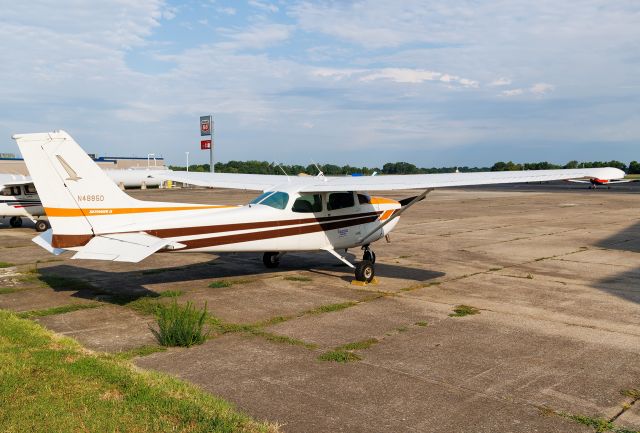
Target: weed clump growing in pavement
5 264
180 325
464 310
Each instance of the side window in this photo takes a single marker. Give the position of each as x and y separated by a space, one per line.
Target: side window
15 190
308 203
340 200
29 189
5 191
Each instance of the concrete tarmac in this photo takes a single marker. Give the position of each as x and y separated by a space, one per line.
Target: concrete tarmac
553 270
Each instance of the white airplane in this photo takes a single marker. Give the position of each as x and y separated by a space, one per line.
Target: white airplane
19 199
91 216
595 182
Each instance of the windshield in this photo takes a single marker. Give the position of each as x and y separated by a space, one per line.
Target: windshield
275 199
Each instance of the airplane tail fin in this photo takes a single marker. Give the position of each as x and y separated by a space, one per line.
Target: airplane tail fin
74 191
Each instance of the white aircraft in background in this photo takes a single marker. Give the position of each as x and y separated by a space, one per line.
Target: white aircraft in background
595 182
19 198
91 216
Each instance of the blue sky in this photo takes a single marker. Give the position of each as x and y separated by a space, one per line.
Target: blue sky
433 83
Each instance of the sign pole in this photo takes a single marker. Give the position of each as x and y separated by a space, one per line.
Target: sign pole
211 167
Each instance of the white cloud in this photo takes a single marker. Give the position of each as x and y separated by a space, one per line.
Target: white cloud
396 75
227 10
263 5
541 88
256 37
502 81
512 92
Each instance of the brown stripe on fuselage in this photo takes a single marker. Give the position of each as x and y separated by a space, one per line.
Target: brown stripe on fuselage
204 230
270 234
68 241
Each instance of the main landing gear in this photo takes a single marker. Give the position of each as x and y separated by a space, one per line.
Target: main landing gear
15 222
271 259
42 226
365 270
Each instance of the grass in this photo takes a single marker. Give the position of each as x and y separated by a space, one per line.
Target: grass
421 324
220 284
332 307
296 278
180 325
170 293
345 353
228 283
52 384
139 351
57 310
4 290
339 356
464 310
359 345
6 265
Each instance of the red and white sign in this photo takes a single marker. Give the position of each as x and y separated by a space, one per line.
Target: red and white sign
205 144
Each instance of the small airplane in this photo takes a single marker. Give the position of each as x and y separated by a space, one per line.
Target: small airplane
91 216
595 182
19 199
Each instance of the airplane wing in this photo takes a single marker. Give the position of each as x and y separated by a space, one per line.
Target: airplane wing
123 247
256 182
387 182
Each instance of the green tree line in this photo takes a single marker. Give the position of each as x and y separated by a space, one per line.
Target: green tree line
264 167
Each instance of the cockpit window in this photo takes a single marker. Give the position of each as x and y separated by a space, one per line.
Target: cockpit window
277 199
308 203
29 188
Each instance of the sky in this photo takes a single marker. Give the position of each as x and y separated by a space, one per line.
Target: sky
448 83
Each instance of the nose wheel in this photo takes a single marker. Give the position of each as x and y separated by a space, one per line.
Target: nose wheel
365 271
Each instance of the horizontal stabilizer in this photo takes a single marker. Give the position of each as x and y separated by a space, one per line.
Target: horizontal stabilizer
123 247
44 240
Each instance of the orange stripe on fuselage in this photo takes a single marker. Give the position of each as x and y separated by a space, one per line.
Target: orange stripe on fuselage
382 200
67 212
386 215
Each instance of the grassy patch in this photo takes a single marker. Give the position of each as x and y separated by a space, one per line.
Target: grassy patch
4 290
6 265
345 353
228 283
402 329
180 325
331 307
171 294
139 351
296 278
359 345
530 276
339 356
57 310
633 393
421 324
464 310
52 384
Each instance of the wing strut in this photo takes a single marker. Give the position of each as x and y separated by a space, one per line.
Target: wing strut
415 200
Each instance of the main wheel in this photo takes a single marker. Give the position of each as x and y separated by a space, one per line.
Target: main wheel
42 225
370 256
365 271
15 221
271 260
